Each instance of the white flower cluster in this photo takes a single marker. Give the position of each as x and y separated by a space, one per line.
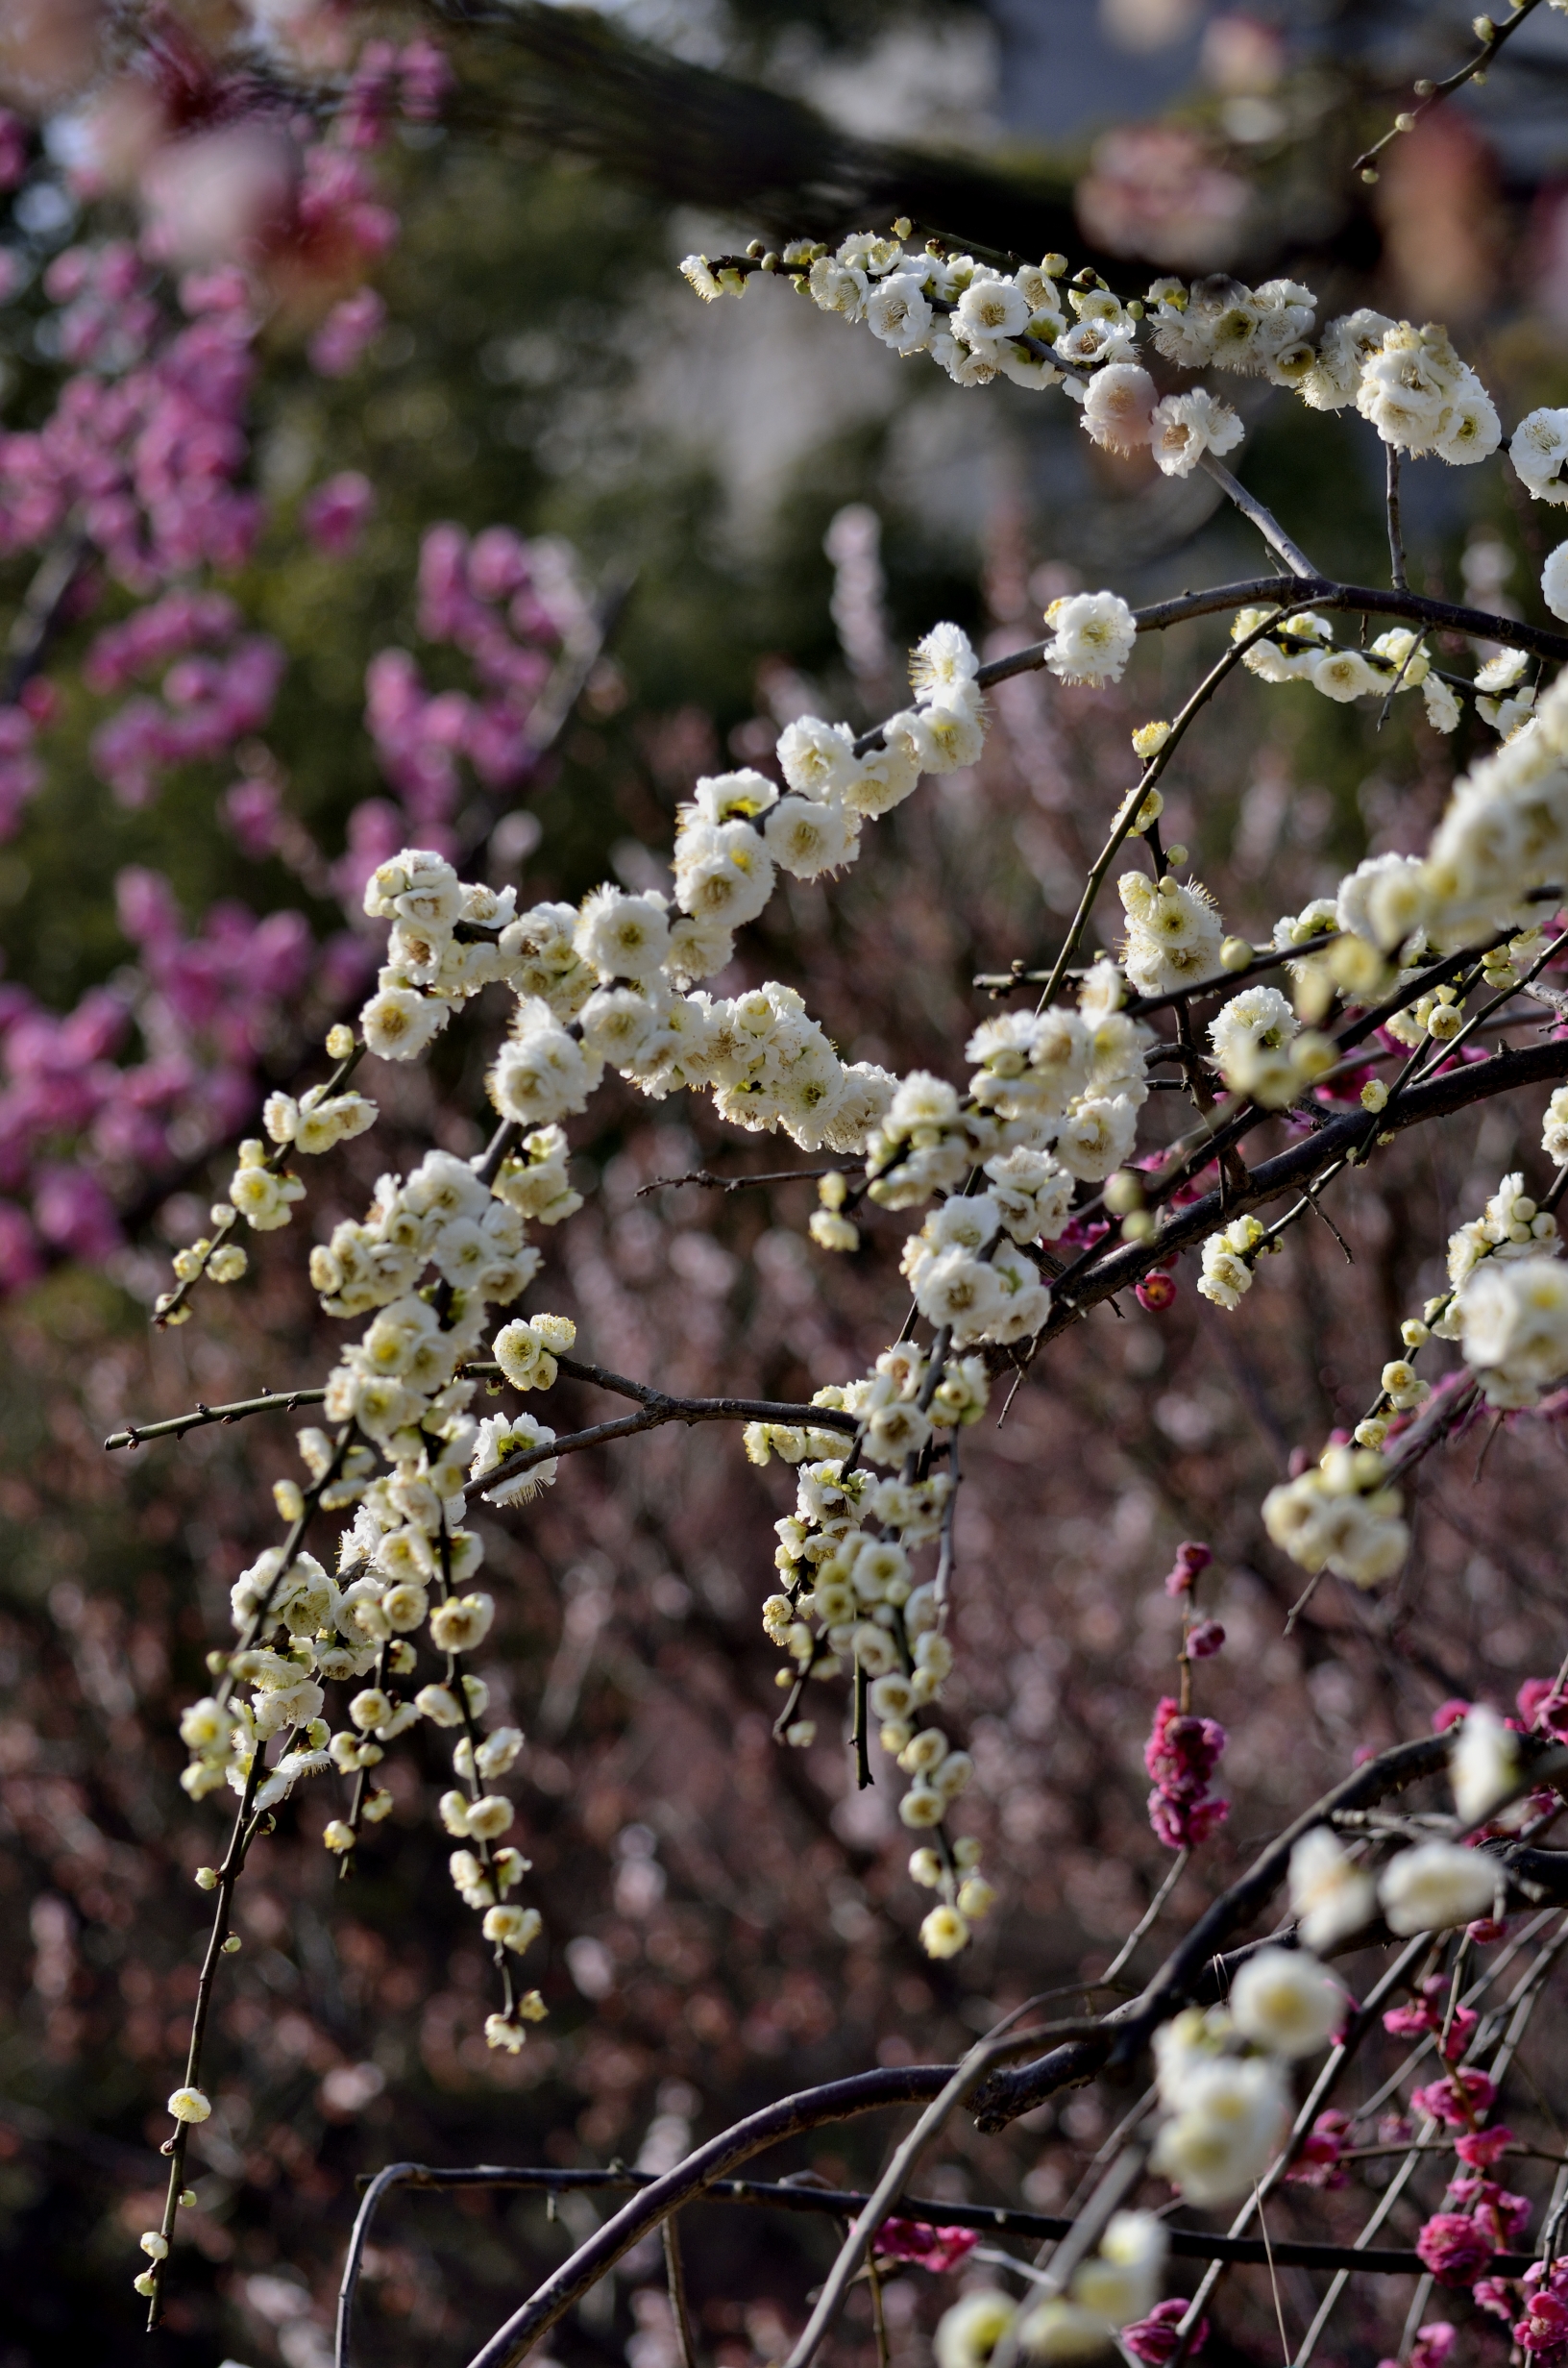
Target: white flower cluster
1091 637
1227 1274
445 1215
1427 1889
1058 1082
406 1542
849 1594
1415 391
969 1278
1174 934
1512 1320
430 970
1302 648
1260 1050
1341 1517
1505 833
1227 2111
604 986
1117 2285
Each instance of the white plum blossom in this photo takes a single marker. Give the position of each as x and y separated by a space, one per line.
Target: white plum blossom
1435 1886
1513 1319
1483 1763
1119 406
1540 452
1283 2000
1091 637
1183 428
1329 1894
1555 580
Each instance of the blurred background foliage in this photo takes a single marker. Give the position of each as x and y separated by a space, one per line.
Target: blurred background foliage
738 1922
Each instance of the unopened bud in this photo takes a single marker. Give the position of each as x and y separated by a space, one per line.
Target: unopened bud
340 1042
1236 954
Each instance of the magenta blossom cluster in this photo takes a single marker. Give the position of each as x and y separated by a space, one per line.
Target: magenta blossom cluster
1543 2291
927 2247
187 1021
208 701
1181 1755
143 463
1427 2014
336 514
1154 2339
1459 2099
1319 2162
509 606
1454 2246
412 81
1432 2347
1192 1561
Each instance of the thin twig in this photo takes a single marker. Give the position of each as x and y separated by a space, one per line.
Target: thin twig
1432 94
674 2273
1396 531
276 1401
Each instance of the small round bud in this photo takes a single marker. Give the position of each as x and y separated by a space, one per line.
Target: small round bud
1424 88
1123 1192
831 1232
154 2246
146 2283
340 1042
1176 855
1236 954
188 2199
1405 122
286 1495
1371 1433
189 2105
207 1878
233 1945
975 1898
337 1835
1369 174
903 227
925 1869
803 1735
1374 1094
943 1933
1138 1227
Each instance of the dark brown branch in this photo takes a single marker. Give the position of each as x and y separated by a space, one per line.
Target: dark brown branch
1137 1006
839 2202
1196 1958
1443 616
866 2092
741 1183
1454 1090
657 1408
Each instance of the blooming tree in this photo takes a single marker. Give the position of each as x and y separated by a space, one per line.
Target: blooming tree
1032 1178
